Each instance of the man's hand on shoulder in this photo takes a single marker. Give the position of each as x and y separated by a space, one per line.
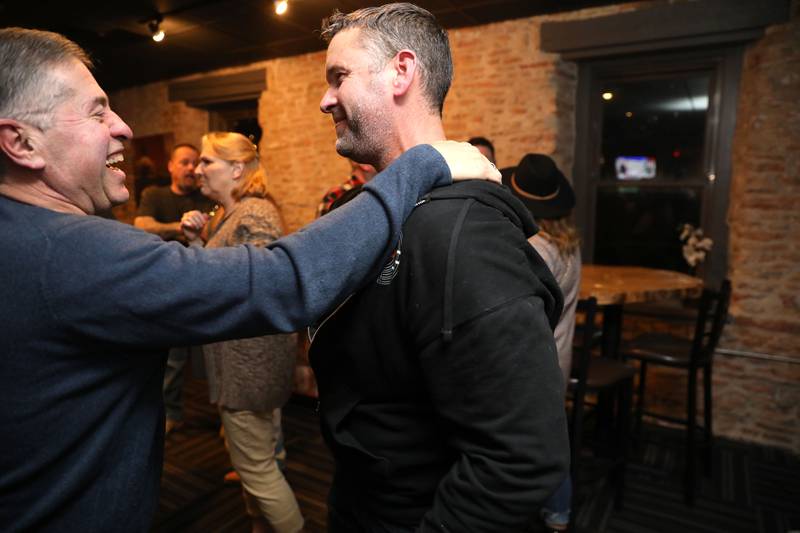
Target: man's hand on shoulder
466 162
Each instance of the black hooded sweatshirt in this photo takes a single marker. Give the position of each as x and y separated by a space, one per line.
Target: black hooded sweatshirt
440 391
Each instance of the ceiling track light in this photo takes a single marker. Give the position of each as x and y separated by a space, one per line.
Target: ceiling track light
154 26
281 6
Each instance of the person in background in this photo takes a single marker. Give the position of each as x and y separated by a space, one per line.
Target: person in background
544 190
440 394
95 303
249 379
485 146
160 213
161 208
360 174
144 176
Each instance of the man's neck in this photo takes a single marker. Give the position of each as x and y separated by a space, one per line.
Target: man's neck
421 129
40 195
177 190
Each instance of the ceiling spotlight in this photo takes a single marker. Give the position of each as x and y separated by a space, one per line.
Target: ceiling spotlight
281 6
155 29
608 95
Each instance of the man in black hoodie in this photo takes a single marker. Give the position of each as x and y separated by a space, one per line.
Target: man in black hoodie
440 391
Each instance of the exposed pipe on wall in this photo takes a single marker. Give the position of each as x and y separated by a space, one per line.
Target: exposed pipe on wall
758 355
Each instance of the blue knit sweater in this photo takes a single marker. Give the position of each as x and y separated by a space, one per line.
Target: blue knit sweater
89 308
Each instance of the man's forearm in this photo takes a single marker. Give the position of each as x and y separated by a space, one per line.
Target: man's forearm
164 295
334 254
167 231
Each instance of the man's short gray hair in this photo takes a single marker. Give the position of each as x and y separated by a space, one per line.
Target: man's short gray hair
26 92
387 29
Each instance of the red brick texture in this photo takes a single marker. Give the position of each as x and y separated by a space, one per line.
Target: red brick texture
760 400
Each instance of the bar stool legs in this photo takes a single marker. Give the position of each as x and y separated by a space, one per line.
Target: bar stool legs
623 432
691 430
707 418
691 425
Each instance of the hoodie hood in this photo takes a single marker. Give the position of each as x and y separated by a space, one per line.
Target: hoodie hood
493 195
501 199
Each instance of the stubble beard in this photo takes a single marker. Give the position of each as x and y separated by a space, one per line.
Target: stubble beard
365 137
188 185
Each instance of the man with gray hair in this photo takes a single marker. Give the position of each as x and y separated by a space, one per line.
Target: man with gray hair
90 306
440 391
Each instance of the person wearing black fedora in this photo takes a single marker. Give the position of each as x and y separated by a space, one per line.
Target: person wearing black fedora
542 187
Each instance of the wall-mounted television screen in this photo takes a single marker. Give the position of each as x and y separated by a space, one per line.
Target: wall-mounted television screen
635 167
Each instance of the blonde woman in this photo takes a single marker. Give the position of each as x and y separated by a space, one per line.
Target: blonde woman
547 194
248 378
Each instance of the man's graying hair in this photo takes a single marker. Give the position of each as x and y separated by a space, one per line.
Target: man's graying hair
27 93
387 29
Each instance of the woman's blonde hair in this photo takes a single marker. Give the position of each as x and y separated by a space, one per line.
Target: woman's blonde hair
232 146
561 232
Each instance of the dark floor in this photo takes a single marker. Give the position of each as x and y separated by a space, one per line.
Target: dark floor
753 489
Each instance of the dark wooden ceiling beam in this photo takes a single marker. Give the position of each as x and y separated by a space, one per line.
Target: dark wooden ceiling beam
209 90
663 26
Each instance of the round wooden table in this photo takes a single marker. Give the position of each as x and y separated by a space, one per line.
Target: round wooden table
614 286
617 285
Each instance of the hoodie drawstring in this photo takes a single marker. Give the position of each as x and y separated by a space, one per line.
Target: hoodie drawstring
447 309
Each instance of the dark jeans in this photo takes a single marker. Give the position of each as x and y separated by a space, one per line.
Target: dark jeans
556 509
174 378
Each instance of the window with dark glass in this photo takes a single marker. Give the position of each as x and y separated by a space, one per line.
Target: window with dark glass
651 178
654 134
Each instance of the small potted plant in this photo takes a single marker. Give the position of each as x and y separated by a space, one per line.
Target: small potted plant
695 246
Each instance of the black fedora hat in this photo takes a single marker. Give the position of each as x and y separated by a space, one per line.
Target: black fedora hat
538 183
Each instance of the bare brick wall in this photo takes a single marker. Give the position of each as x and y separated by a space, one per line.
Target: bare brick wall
509 91
506 89
760 400
298 142
764 213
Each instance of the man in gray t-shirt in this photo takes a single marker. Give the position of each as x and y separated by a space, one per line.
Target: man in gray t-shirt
160 212
161 208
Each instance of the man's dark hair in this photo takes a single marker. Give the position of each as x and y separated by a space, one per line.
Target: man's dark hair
182 145
482 141
387 29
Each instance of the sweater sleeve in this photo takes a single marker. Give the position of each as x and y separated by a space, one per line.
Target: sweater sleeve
258 224
112 283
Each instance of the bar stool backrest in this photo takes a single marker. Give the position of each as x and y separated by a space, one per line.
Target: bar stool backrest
582 352
711 318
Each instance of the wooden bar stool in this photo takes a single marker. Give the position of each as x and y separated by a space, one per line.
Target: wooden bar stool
691 355
601 376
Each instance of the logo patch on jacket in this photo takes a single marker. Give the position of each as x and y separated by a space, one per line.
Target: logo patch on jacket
392 266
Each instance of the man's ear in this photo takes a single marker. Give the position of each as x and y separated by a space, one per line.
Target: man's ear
19 146
404 70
